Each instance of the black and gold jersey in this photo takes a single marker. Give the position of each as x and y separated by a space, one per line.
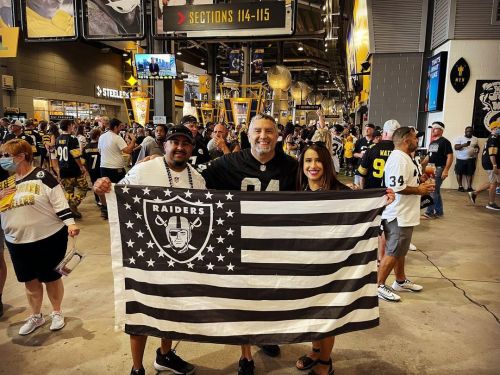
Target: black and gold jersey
92 158
67 151
373 164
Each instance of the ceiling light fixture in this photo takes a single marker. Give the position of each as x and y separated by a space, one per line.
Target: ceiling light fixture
326 49
179 53
301 47
125 54
202 63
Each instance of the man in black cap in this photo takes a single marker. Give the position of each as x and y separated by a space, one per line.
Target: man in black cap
200 152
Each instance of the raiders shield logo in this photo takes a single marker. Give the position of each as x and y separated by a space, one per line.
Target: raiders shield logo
179 228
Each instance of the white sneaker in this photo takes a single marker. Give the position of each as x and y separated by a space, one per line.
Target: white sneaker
412 247
387 294
32 323
57 321
407 286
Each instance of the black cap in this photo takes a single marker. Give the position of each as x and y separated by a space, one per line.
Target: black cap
370 126
188 118
377 133
179 130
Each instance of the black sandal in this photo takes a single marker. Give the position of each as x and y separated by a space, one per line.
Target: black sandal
331 371
307 362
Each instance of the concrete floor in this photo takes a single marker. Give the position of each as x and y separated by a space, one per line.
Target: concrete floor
439 331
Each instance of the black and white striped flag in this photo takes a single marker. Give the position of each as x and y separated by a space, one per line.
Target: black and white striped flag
244 267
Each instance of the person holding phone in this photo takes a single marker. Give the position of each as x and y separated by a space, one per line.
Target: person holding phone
466 150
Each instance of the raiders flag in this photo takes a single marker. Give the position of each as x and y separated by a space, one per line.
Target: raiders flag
244 267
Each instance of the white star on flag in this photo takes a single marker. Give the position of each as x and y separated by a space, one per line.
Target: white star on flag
150 262
230 267
190 265
229 213
170 263
146 191
167 193
131 260
229 196
201 256
219 204
188 194
220 221
127 206
220 239
140 233
130 243
125 189
220 258
161 254
230 232
230 249
208 195
150 244
137 199
210 266
140 253
210 249
138 215
129 224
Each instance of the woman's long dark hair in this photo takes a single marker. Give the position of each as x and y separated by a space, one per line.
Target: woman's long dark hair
330 181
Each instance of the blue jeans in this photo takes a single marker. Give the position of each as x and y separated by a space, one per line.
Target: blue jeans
437 207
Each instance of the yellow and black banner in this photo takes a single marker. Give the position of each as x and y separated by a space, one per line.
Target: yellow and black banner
9 37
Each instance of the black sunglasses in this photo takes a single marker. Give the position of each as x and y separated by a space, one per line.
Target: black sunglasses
6 155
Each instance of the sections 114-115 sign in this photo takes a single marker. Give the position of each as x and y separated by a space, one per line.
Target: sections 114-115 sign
235 19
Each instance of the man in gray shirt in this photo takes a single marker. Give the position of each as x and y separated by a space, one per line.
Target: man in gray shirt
154 146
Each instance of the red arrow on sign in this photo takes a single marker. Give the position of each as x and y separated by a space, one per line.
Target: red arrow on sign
181 19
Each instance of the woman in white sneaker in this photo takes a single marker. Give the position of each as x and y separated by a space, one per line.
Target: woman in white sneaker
36 220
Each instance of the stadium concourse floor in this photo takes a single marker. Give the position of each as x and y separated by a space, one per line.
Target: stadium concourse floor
438 331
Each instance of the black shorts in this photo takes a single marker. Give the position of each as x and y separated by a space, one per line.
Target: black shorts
465 167
37 260
115 175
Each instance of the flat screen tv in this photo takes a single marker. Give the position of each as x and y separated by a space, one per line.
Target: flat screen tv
436 78
155 66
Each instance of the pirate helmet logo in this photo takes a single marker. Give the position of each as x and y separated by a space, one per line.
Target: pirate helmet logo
179 232
180 229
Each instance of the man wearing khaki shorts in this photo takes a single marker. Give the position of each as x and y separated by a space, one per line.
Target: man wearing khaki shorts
401 174
490 161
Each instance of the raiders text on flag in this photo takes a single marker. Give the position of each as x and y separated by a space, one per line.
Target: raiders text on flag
244 267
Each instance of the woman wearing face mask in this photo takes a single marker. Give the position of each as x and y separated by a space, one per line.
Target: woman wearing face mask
36 221
316 173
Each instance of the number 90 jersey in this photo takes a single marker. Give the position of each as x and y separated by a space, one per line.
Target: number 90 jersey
373 164
67 150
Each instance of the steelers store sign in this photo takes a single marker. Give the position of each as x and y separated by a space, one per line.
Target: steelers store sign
179 228
265 14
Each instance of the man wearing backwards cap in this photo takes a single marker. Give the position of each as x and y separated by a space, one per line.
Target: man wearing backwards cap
373 162
172 170
441 154
490 161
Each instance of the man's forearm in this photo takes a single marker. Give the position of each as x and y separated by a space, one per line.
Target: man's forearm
449 161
